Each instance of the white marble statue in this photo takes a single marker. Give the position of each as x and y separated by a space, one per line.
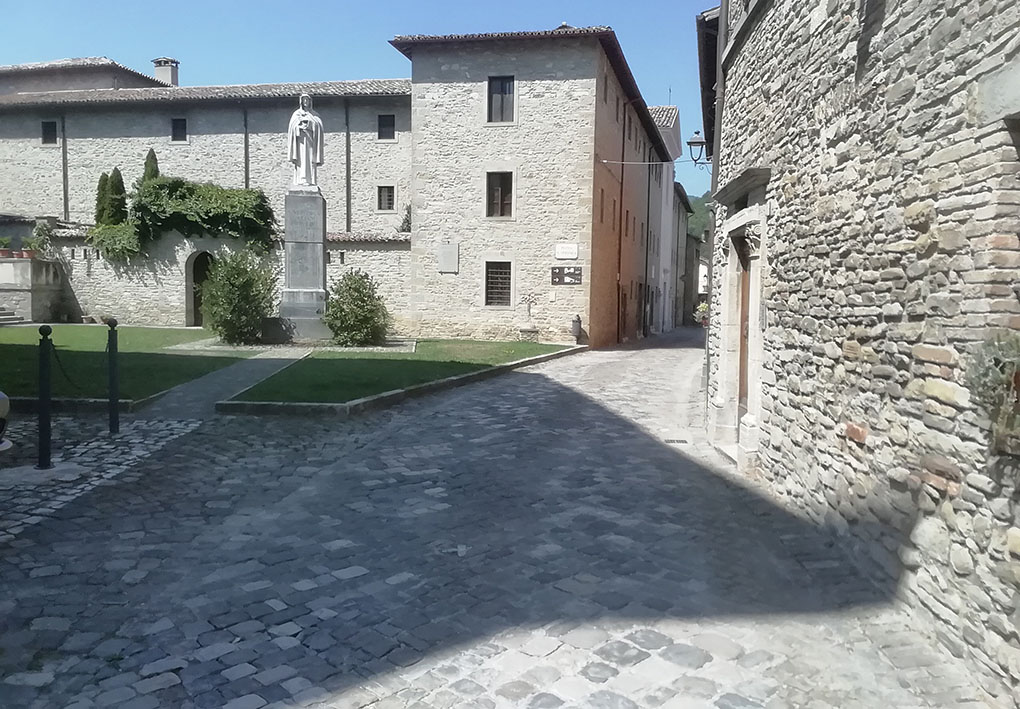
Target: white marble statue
305 141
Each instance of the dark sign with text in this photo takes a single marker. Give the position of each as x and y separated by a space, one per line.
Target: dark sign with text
566 275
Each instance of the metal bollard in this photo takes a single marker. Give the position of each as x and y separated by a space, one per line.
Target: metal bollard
113 382
45 392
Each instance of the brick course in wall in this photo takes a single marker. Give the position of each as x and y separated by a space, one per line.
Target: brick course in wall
893 211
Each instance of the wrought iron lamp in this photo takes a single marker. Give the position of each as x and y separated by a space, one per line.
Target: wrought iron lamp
696 147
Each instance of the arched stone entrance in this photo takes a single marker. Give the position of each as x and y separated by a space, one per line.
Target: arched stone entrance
197 271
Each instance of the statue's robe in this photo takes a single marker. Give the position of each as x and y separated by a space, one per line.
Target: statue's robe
305 139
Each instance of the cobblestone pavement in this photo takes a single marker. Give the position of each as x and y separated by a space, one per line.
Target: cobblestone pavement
532 540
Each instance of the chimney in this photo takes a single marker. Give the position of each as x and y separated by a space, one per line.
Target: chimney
166 70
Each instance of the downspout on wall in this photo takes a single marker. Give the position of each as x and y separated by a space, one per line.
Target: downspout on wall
347 162
646 315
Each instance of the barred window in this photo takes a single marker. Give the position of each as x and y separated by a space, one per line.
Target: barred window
497 283
387 199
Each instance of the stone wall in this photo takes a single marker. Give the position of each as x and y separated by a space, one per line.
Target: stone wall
549 149
31 288
154 290
893 213
99 139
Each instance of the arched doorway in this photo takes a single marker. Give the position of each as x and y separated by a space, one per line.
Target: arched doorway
197 273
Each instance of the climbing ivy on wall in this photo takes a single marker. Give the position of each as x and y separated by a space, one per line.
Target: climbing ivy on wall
163 204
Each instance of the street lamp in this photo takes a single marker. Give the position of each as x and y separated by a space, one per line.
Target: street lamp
696 146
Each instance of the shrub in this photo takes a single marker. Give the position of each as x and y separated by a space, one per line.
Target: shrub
103 199
117 202
355 312
237 296
169 203
151 170
405 225
116 242
993 377
5 242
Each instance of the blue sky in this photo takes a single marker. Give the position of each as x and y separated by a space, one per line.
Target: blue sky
255 41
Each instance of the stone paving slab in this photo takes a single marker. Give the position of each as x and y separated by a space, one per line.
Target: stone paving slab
531 541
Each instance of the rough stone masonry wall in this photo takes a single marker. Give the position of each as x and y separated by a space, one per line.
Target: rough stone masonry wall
549 148
154 290
892 244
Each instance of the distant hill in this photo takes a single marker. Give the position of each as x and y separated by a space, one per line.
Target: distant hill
697 223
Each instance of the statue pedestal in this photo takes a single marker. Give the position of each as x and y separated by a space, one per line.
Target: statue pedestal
304 290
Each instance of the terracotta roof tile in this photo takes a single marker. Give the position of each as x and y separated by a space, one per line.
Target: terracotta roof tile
363 87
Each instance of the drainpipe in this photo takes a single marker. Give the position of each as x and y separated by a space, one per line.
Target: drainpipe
347 159
720 81
619 225
63 168
645 315
247 150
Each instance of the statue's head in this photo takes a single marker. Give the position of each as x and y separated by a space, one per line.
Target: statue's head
306 102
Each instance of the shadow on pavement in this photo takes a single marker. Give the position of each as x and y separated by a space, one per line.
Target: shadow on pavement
515 503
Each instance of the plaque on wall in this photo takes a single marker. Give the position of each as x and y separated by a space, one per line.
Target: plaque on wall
565 251
448 256
566 275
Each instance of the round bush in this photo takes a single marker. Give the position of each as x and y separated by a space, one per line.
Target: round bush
355 312
237 296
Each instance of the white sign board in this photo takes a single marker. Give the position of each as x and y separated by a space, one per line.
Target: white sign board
448 256
566 251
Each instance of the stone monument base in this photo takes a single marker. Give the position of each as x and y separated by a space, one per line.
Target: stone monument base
303 302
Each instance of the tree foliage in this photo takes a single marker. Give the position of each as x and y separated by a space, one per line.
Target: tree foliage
165 204
117 202
993 377
103 199
116 242
698 222
151 170
238 295
405 224
355 312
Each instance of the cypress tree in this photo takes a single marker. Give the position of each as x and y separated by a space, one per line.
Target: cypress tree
151 166
117 211
103 199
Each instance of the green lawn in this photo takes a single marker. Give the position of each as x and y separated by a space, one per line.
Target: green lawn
145 368
341 376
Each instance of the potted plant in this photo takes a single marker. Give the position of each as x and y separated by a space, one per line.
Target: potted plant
701 314
993 377
5 247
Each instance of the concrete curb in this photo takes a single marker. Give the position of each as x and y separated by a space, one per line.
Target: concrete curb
385 399
70 405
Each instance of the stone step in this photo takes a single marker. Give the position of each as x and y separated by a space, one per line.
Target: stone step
10 319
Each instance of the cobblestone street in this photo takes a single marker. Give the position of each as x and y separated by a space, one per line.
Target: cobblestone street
559 536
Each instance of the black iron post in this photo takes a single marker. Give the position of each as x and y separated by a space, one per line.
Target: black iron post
114 383
45 391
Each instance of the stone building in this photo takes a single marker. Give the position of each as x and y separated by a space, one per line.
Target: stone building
866 190
539 185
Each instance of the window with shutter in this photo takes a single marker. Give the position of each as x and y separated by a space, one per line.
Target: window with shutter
49 132
498 283
501 99
387 129
499 194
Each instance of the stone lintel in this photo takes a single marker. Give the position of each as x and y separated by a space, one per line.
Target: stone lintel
743 183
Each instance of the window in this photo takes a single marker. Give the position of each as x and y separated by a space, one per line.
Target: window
605 87
501 99
499 189
179 130
617 109
497 283
49 132
614 214
387 126
602 206
629 121
626 224
386 198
